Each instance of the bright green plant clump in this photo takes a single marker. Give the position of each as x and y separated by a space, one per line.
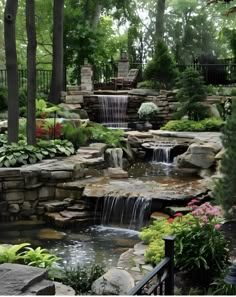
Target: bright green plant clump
112 138
20 154
149 84
11 254
200 247
147 110
81 278
191 96
208 124
39 257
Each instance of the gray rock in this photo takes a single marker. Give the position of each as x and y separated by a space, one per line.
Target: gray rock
144 92
61 174
18 279
55 205
15 196
26 205
116 173
63 290
114 282
14 208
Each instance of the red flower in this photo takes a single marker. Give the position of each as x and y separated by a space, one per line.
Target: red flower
178 214
170 220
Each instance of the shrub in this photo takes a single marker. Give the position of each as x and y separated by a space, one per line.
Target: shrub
208 124
82 278
191 96
100 133
200 247
225 188
77 135
147 110
10 254
162 67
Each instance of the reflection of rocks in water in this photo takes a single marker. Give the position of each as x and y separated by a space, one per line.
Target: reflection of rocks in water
51 234
79 237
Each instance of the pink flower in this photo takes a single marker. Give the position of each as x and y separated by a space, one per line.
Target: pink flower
217 226
170 220
178 214
193 201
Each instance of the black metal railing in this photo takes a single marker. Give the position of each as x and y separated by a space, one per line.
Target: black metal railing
160 281
214 73
43 79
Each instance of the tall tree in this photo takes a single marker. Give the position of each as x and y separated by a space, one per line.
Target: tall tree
57 65
12 71
31 70
160 11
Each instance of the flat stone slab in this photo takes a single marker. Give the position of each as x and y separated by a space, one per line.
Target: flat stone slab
18 279
133 188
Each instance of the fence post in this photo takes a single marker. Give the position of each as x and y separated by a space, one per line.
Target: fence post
169 253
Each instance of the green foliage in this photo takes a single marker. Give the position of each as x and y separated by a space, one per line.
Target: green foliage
208 124
200 247
39 257
10 254
148 84
147 110
225 188
191 96
162 67
77 135
220 287
20 154
100 133
44 107
81 278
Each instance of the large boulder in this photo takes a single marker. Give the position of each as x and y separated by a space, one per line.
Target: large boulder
114 282
18 279
201 155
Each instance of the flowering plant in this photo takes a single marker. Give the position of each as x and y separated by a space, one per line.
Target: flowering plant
200 247
147 110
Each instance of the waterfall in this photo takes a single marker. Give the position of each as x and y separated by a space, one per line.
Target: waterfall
131 211
113 110
161 152
115 157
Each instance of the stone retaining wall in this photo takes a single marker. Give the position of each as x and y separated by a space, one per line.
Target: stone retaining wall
162 100
24 191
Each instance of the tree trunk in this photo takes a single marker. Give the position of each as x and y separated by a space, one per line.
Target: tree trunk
96 16
12 70
160 11
57 67
31 71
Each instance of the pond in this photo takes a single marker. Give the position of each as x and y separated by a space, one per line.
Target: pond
93 244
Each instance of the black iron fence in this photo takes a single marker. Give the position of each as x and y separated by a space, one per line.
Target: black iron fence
160 281
43 79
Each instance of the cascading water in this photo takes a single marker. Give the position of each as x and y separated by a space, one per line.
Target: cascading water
161 152
113 110
132 211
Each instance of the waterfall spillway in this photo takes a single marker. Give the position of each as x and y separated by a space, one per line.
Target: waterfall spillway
132 211
113 110
162 152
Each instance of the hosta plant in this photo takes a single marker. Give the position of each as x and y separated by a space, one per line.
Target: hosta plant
21 154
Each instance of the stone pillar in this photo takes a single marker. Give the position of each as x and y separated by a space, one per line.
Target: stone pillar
86 77
123 65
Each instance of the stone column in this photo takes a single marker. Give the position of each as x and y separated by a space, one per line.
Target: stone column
86 77
123 65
